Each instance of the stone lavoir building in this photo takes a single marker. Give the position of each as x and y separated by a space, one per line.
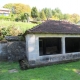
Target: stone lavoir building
52 41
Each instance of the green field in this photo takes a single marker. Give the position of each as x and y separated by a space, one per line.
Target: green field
68 71
22 25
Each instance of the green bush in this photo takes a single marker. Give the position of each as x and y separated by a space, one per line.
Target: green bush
38 19
11 30
1 38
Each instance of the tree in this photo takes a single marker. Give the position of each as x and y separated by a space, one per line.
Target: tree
13 10
42 15
57 13
55 18
66 16
8 6
34 12
18 10
48 13
74 18
21 8
26 16
22 17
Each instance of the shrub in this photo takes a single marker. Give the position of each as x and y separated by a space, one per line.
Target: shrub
9 31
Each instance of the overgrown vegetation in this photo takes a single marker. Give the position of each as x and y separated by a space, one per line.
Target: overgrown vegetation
68 71
13 28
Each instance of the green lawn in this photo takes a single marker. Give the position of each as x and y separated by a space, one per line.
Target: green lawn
68 71
23 25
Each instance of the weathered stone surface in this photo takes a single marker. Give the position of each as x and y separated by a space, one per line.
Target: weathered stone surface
16 50
13 38
12 51
3 51
46 60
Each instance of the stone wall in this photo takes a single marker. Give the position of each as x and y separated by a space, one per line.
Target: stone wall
12 50
3 51
52 59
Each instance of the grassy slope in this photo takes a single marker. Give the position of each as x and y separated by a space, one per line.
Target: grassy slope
66 71
23 25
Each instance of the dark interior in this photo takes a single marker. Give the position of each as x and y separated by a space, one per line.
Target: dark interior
72 45
48 46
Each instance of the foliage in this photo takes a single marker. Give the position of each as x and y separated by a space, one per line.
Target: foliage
22 17
48 12
13 31
2 17
57 13
26 16
38 19
8 6
42 15
3 32
22 12
55 18
66 16
68 71
21 8
34 12
74 18
17 9
13 28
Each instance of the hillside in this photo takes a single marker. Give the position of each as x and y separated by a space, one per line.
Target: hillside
13 28
22 25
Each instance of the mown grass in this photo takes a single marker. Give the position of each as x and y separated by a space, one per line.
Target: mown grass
22 25
68 71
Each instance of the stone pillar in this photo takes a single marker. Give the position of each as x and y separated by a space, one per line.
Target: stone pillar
63 45
32 47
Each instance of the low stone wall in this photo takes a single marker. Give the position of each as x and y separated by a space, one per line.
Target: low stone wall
51 59
3 51
12 50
